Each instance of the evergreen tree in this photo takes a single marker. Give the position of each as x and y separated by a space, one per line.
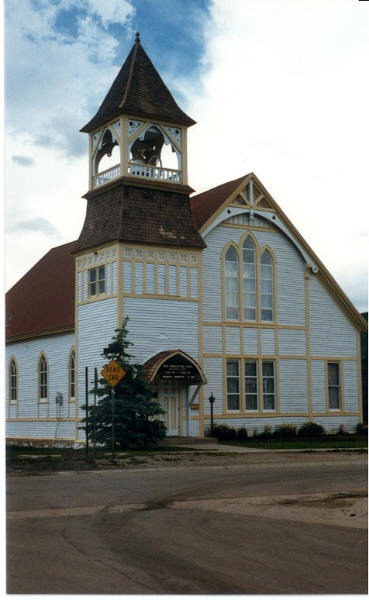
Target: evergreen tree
137 413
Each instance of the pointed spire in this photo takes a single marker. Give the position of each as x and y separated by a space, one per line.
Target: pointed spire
139 90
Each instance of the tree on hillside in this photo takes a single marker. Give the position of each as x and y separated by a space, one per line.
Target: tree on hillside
137 413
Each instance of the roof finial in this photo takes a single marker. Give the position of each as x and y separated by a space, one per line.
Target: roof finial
138 37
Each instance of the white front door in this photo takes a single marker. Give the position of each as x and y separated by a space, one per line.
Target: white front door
168 397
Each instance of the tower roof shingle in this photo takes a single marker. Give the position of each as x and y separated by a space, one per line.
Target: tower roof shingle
138 90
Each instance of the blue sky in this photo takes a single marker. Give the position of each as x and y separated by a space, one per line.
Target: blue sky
273 85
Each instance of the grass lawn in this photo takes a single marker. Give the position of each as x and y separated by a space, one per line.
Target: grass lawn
302 444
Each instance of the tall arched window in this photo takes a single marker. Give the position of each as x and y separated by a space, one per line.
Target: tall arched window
231 284
266 289
72 376
13 382
249 279
43 377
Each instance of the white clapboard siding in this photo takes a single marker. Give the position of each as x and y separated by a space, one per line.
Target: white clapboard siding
292 341
150 278
158 324
332 423
212 339
233 340
127 277
351 386
257 423
331 332
213 369
162 279
56 349
96 325
289 273
290 277
42 429
139 278
194 282
172 280
250 340
293 388
183 282
318 385
267 341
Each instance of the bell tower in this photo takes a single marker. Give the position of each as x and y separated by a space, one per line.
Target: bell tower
139 132
138 183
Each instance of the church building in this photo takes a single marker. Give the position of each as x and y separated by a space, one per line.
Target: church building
224 296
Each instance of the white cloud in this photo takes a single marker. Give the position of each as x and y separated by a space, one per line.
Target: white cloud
284 95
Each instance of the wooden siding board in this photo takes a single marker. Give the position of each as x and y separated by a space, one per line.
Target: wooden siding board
97 322
127 277
351 386
332 423
268 341
293 385
158 324
212 339
318 385
250 337
331 332
213 370
233 340
292 342
57 349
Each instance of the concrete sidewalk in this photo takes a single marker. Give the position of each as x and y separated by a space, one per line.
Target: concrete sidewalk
245 450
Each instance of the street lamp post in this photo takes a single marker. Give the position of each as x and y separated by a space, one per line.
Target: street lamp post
211 400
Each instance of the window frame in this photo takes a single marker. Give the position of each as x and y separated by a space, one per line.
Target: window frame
263 377
267 250
244 278
72 356
256 377
98 282
338 386
43 358
258 253
237 361
12 401
227 278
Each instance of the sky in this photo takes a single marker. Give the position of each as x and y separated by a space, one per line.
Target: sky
277 87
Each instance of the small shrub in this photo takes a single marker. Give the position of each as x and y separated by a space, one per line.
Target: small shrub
285 432
341 430
361 429
267 433
224 433
311 430
242 434
255 432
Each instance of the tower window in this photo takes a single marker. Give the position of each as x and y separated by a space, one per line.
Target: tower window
13 382
43 378
96 281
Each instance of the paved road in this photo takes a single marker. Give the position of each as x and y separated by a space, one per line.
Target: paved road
132 532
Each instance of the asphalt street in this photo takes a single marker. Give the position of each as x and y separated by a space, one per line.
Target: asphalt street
187 531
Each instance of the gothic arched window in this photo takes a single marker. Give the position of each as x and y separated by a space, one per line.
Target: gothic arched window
266 287
13 382
72 376
231 284
249 279
43 378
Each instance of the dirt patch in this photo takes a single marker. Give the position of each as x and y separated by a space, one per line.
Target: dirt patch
344 510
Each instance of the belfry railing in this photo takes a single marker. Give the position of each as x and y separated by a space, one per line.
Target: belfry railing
138 170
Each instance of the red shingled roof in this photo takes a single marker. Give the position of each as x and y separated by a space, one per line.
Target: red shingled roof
205 204
43 299
138 90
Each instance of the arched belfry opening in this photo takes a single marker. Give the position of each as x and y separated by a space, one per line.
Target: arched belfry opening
106 158
152 154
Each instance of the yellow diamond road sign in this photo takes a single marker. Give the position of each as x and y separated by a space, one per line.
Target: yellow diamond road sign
113 373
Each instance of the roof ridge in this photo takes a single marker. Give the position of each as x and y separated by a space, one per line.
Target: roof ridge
130 74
